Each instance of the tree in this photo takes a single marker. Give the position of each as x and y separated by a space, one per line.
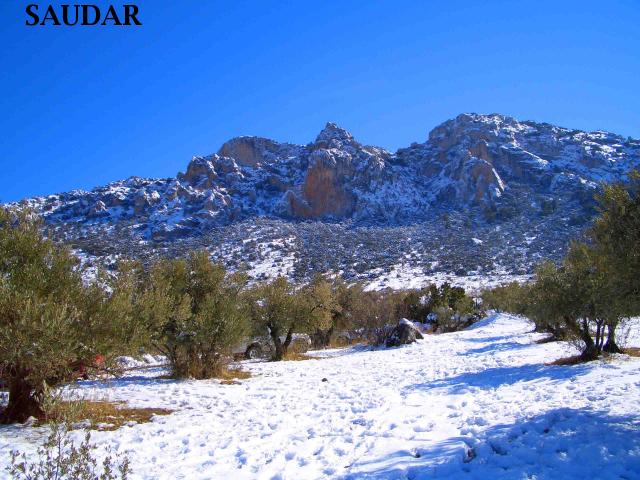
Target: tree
278 310
585 278
575 301
329 304
616 237
50 321
598 285
195 313
546 301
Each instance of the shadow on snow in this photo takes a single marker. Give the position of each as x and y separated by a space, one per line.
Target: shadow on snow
501 376
559 444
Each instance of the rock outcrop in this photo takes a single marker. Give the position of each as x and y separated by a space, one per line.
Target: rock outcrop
484 170
403 334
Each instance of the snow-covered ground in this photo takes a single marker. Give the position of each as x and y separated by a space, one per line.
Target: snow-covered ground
404 276
477 404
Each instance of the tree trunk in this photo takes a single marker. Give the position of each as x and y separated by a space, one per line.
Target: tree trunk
287 341
277 343
611 346
590 351
24 402
599 337
321 338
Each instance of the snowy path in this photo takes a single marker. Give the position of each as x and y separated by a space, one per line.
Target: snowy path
473 404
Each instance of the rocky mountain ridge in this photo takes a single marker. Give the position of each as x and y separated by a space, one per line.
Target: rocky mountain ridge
498 193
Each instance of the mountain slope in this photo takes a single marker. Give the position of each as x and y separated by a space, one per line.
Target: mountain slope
497 192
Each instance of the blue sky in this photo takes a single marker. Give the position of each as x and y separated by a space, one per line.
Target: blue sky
82 106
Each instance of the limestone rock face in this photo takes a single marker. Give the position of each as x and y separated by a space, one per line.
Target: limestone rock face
472 161
247 151
256 151
333 136
199 169
484 170
325 187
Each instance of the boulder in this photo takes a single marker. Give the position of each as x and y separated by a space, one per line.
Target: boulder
403 334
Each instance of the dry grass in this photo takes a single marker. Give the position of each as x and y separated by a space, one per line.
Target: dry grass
293 356
607 357
230 376
100 414
573 360
339 342
548 339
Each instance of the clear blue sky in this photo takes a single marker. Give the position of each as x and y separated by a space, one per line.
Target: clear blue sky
83 106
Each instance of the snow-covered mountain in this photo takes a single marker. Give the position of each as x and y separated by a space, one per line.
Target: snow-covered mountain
484 193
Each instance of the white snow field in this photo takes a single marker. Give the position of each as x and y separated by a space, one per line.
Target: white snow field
477 404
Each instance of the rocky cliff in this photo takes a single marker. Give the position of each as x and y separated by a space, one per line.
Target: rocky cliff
474 175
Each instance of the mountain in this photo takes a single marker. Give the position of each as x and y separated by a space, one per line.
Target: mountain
483 194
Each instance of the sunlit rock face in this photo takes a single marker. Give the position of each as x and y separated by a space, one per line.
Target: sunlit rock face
487 171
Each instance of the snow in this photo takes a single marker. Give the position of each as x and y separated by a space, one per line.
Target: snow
276 258
476 404
404 276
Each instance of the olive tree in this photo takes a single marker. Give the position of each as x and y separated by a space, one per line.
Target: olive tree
281 309
575 301
615 237
327 303
50 320
597 286
195 313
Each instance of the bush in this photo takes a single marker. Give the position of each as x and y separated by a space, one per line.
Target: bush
450 306
511 298
195 313
60 459
383 310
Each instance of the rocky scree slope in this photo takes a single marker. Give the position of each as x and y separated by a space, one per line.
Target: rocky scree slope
484 193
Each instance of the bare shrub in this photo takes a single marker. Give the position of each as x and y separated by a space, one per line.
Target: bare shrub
61 459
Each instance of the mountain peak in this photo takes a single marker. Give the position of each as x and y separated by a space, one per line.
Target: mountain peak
333 135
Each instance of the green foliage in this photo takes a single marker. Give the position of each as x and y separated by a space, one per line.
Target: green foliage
194 312
444 301
385 308
328 301
319 297
361 313
547 301
60 459
281 310
574 301
598 284
616 237
511 297
50 321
